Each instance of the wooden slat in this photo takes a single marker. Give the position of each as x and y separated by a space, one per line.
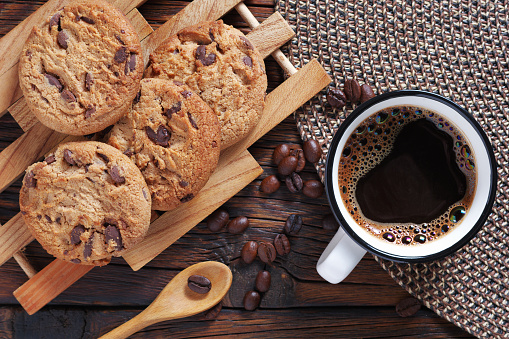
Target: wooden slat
12 43
271 34
195 12
19 109
14 236
49 283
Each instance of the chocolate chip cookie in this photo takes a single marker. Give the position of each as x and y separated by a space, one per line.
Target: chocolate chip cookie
85 203
173 137
81 69
220 64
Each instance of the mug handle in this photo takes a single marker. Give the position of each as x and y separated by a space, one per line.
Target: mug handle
339 258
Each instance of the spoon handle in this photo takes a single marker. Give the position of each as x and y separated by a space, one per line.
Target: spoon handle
130 327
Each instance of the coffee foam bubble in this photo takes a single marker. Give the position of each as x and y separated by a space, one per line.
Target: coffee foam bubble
372 142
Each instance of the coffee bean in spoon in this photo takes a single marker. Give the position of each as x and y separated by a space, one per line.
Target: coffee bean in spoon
262 281
218 220
287 165
249 251
270 184
312 150
199 284
238 225
252 300
281 152
313 189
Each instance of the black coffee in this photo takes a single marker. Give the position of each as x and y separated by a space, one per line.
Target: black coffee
407 175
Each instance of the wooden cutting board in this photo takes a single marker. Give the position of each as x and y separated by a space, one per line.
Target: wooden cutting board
236 167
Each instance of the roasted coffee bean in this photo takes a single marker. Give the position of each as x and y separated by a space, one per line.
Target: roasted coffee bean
294 182
247 61
293 224
287 165
68 157
54 21
281 152
313 189
161 138
336 97
89 111
68 96
266 252
282 244
199 284
270 184
115 175
191 120
366 93
252 300
121 55
262 281
249 251
408 307
53 81
87 250
51 159
213 312
87 20
301 159
312 150
329 223
88 81
62 38
352 91
218 220
30 180
238 225
112 233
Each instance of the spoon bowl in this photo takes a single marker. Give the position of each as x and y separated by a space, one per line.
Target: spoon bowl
177 300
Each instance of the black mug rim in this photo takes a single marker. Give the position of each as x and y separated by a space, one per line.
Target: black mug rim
334 205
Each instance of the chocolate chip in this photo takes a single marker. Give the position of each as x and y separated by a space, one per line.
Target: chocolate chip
161 138
246 42
178 83
76 234
119 39
68 96
174 109
115 175
49 160
199 284
87 251
247 61
352 90
68 157
30 180
266 252
48 218
104 157
131 64
206 60
87 20
54 21
53 81
89 111
191 120
366 93
120 55
187 198
58 220
75 261
211 35
62 38
112 233
336 98
186 94
282 245
408 307
137 98
88 81
183 183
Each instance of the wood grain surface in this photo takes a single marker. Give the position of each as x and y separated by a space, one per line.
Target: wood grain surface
299 303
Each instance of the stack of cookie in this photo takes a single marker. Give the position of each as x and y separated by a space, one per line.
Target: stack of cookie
81 72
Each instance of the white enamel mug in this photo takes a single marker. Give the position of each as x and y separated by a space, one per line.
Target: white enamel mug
352 241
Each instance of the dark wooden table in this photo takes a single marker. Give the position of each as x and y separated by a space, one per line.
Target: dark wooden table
299 303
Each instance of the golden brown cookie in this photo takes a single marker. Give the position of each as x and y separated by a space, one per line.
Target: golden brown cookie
85 203
220 64
173 137
81 69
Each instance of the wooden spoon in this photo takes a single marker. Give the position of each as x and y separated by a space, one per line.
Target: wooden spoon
177 300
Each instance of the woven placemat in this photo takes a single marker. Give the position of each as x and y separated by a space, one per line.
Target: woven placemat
457 49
